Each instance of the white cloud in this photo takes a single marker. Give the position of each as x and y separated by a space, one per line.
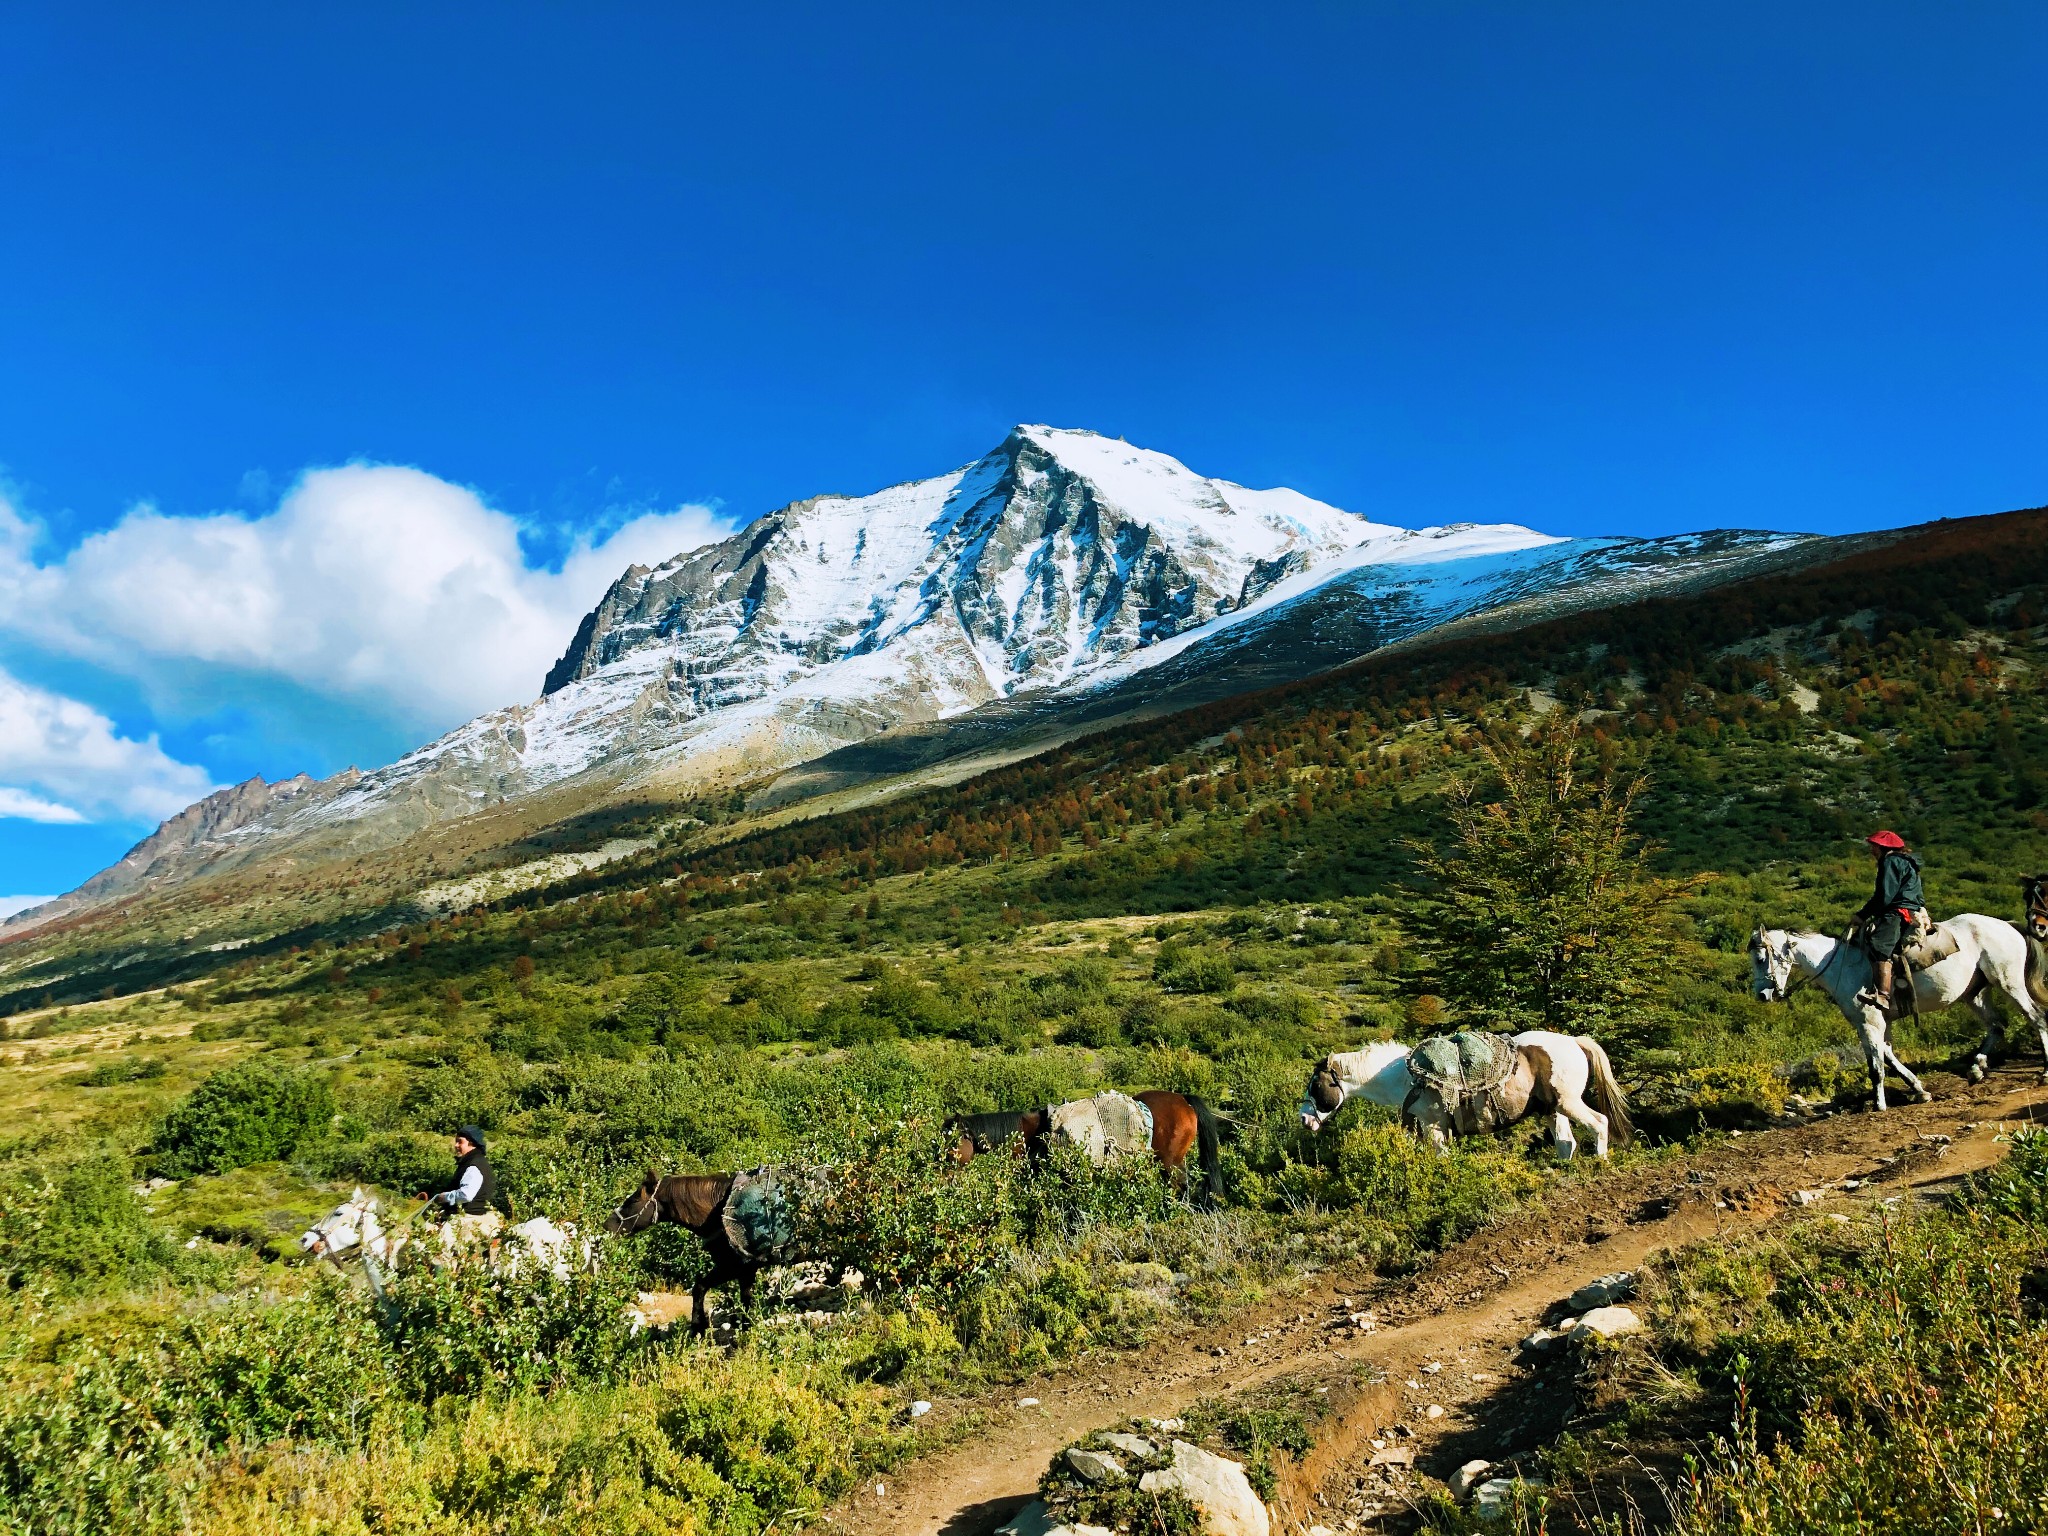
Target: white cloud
9 905
63 761
23 806
383 586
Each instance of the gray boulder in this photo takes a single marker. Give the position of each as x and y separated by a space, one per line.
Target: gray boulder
1217 1487
1606 1323
1097 1467
1603 1292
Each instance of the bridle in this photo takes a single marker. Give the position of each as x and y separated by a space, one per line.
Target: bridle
632 1223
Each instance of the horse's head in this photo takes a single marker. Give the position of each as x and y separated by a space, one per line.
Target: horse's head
1324 1095
2034 891
639 1210
340 1229
1770 965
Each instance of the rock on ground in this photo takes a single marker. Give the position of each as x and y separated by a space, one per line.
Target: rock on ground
1096 1467
1034 1519
1603 1292
1217 1487
1468 1477
1607 1323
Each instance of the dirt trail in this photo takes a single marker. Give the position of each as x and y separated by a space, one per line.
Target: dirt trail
1467 1306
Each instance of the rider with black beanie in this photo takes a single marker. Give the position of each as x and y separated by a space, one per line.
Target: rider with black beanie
475 1186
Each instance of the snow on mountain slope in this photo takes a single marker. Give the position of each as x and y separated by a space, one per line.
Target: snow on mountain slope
1062 566
836 617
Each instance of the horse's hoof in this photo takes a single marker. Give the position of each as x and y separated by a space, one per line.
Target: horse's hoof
1925 1097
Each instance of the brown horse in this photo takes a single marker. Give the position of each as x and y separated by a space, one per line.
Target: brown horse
1179 1125
696 1201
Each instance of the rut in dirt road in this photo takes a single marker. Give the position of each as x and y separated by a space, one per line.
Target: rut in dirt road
1476 1297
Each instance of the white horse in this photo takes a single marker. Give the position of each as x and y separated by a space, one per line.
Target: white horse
1989 953
352 1228
1569 1075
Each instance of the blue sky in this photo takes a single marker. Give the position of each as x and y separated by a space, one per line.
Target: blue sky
565 284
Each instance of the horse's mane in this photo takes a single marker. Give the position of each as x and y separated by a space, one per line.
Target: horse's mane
693 1198
990 1129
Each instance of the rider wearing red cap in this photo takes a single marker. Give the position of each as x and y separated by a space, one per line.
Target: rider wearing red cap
1890 913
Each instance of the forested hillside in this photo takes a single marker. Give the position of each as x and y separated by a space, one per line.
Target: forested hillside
1206 903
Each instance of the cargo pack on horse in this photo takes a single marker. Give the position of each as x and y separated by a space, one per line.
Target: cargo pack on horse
742 1218
1467 1084
353 1230
1960 961
1170 1124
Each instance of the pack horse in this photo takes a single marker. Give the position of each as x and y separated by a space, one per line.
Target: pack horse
1468 1084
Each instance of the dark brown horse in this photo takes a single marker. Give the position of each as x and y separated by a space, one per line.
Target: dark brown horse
1179 1125
696 1201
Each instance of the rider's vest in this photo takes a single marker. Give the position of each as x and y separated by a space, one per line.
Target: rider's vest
487 1194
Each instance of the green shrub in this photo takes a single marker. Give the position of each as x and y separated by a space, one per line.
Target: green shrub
1420 1197
468 1330
1181 968
253 1112
106 1437
398 1162
120 1070
75 1224
887 1200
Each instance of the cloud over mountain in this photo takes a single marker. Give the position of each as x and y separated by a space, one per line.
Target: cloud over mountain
383 586
63 761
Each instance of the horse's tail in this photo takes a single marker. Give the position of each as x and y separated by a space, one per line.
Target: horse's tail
1605 1092
2036 973
1209 1148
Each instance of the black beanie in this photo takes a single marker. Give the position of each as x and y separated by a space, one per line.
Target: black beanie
472 1134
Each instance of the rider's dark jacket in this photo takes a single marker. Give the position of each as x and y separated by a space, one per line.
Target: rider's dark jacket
487 1192
1898 886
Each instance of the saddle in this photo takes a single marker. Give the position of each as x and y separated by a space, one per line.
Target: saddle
1929 943
1468 1067
1108 1126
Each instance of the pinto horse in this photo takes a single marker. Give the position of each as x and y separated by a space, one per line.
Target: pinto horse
1179 1125
1567 1077
696 1201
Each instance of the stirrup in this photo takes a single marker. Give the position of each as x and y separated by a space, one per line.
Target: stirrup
1868 998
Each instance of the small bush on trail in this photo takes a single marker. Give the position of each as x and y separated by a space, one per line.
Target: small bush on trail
1121 1506
253 1112
1421 1198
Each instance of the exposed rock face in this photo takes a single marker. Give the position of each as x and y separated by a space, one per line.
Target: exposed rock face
1056 553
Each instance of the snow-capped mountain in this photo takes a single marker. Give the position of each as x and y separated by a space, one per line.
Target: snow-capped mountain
1061 571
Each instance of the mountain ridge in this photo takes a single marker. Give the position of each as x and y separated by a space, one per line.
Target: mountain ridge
1063 574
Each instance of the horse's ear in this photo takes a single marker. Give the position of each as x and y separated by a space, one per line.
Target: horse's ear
355 1195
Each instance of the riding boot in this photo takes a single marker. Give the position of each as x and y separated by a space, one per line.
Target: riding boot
1879 993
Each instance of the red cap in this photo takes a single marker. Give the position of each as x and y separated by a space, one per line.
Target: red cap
1885 840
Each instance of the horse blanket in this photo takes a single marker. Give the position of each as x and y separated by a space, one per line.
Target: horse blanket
758 1221
1467 1065
1108 1126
